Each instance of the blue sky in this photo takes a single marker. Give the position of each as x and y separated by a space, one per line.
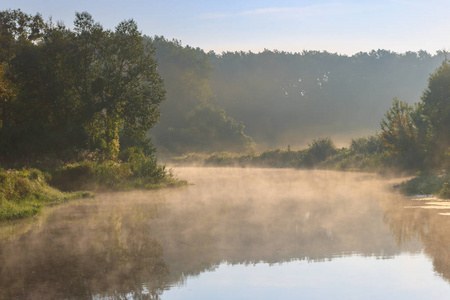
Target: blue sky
345 27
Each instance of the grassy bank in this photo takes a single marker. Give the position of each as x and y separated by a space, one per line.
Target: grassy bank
136 172
428 184
321 154
23 193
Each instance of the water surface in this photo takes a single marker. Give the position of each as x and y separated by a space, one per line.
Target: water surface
235 233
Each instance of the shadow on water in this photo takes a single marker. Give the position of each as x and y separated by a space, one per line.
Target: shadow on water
138 244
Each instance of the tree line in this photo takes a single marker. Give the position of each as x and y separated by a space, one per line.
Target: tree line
284 98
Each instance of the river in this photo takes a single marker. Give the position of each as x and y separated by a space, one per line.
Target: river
235 233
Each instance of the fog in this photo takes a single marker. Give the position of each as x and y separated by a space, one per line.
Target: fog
144 242
280 98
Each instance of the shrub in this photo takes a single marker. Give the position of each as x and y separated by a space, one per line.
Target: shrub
366 145
318 151
23 193
429 184
137 171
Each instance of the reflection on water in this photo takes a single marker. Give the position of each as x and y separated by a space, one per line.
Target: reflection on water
352 277
409 219
139 244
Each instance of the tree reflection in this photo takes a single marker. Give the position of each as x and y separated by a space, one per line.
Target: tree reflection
79 253
411 218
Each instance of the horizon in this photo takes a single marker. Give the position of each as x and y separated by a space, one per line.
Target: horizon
342 27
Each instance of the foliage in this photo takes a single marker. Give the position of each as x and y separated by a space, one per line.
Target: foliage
279 158
429 184
67 93
398 130
436 111
84 88
418 137
190 121
207 129
400 135
347 160
138 171
221 159
23 193
318 151
367 145
283 97
278 95
6 92
17 27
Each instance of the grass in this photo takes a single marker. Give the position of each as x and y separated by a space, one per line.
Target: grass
24 192
137 171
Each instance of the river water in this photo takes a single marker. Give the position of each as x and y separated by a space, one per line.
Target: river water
235 233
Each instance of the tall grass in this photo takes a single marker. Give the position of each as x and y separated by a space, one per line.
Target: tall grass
24 192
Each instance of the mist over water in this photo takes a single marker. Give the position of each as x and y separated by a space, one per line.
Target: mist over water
146 244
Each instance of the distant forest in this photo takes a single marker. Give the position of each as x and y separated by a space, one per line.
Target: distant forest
236 101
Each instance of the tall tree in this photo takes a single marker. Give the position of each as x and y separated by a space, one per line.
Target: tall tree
125 91
400 134
436 109
78 89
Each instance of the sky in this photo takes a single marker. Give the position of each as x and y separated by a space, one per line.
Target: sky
344 27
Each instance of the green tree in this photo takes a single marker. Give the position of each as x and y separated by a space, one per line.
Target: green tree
127 92
436 111
6 92
208 129
318 151
399 134
16 27
85 88
367 145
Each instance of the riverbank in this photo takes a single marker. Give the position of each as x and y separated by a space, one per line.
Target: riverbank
335 159
427 184
24 192
322 156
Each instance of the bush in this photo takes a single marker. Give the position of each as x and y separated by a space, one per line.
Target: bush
366 145
137 171
429 184
318 151
221 159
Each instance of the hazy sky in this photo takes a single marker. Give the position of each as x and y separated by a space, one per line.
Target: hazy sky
347 26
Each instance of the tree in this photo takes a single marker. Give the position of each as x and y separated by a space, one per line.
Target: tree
400 134
318 151
207 129
17 27
126 93
367 145
6 93
398 130
436 109
76 89
191 122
